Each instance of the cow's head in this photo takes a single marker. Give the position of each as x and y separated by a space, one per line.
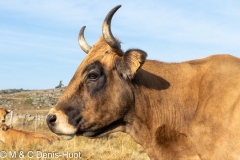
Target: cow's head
3 113
99 95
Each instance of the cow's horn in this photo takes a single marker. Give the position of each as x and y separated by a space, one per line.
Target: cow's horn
81 40
106 29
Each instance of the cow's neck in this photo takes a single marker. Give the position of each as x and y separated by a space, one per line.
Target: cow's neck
162 111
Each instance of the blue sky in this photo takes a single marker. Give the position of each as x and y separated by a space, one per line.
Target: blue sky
38 39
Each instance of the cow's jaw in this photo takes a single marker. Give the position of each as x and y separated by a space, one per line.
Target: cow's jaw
113 127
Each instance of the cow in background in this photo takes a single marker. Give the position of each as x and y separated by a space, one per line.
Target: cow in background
3 113
11 136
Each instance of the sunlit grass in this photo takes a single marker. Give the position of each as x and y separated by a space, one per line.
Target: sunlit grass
116 146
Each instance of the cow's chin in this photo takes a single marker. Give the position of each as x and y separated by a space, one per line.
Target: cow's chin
65 136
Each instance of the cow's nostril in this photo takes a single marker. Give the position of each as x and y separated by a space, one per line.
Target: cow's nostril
3 120
51 119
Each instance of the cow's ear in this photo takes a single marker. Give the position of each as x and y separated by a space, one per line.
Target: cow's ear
132 60
4 128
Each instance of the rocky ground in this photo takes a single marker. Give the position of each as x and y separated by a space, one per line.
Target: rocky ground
29 105
30 99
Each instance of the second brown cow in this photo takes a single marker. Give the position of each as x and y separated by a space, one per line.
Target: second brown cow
12 136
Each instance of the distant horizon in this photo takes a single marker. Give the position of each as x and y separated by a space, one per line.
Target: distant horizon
39 39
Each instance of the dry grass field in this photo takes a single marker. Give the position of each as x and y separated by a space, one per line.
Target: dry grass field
116 146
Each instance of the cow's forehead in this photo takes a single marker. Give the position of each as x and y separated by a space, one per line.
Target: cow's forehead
100 52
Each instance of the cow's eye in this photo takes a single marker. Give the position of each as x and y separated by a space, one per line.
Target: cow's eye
92 76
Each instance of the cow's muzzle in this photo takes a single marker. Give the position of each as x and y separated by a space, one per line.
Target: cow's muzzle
57 122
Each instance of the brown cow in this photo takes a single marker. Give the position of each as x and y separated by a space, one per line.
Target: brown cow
12 136
188 110
3 113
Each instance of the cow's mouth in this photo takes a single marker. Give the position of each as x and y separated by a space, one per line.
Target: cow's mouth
115 126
